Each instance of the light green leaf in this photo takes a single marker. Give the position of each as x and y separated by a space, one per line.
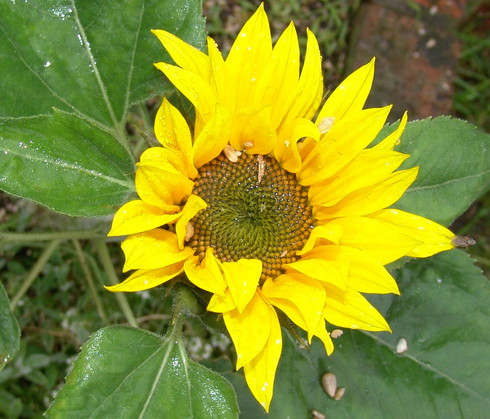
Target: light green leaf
9 330
65 163
443 313
454 161
92 58
131 373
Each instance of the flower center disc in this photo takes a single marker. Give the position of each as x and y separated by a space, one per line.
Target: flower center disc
256 210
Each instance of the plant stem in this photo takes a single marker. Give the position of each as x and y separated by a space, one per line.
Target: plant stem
57 235
113 280
90 281
34 272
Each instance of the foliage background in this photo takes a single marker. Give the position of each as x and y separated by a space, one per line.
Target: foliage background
66 303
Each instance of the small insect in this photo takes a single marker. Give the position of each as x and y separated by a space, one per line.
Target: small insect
231 154
463 241
329 384
339 393
401 346
315 414
261 163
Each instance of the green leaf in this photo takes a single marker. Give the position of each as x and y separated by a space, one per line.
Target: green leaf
132 373
454 160
92 58
64 163
9 330
443 313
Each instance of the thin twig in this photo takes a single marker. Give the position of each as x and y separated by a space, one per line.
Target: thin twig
113 280
34 272
90 280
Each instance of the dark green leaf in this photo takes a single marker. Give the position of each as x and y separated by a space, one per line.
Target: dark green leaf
454 160
65 163
443 313
9 330
130 373
92 58
10 406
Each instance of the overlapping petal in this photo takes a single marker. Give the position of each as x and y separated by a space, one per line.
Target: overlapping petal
136 216
153 250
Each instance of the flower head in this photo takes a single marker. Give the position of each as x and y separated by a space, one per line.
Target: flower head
273 201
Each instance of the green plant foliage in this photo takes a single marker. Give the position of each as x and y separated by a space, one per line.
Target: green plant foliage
93 60
454 161
9 330
442 375
126 372
65 163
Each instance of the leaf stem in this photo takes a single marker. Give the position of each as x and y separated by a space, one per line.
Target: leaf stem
113 280
34 272
90 280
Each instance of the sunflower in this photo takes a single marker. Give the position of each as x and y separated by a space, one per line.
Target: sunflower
273 203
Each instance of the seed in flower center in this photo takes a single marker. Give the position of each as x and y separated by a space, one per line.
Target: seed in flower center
256 210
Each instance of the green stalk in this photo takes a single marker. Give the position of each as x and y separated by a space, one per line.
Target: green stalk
57 235
113 280
90 281
34 272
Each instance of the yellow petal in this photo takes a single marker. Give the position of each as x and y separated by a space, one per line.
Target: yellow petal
220 78
242 278
173 132
325 270
278 82
213 138
159 187
341 144
152 250
286 149
164 159
433 238
309 90
249 330
194 88
378 163
300 297
137 216
184 55
252 131
349 97
322 333
350 309
144 279
206 275
328 233
221 303
394 138
383 241
249 55
261 371
193 205
372 198
364 273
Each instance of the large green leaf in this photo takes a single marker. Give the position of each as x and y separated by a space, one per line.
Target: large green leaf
454 161
65 163
93 58
131 373
9 330
444 315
